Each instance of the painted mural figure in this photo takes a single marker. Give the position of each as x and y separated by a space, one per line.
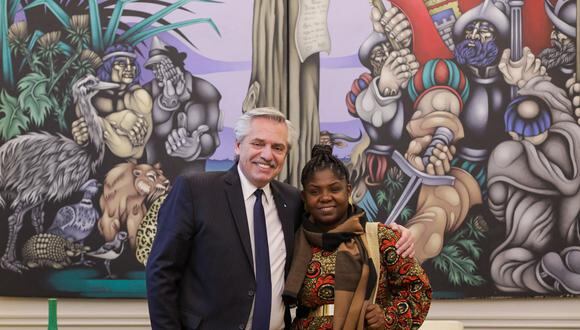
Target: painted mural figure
125 111
376 98
559 59
479 35
439 91
186 113
534 187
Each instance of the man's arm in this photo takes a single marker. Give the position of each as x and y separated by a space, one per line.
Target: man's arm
169 256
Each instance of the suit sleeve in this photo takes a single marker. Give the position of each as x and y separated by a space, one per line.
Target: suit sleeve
169 255
405 292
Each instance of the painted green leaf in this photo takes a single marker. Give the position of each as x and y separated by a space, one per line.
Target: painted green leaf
34 98
12 121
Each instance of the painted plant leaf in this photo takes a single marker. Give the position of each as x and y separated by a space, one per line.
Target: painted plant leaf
34 98
12 121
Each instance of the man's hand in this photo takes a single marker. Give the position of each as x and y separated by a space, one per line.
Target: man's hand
181 144
518 73
393 24
374 317
573 88
440 160
406 244
80 131
397 69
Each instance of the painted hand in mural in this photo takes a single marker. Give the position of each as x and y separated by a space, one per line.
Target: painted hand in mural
172 80
132 125
517 73
394 24
573 87
440 160
182 144
397 69
80 131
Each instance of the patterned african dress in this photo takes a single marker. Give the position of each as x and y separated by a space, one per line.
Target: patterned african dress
404 291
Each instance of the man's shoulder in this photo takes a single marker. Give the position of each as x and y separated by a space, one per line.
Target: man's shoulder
285 188
204 179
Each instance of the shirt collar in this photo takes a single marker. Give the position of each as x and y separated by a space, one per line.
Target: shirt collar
248 188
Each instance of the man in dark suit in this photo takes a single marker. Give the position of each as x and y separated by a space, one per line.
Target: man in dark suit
210 266
200 273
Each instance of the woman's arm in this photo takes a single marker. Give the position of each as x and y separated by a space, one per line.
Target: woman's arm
404 293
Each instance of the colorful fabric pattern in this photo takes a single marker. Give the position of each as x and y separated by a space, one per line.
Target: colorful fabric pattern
404 289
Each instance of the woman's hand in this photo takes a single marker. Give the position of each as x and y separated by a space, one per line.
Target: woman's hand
406 244
374 317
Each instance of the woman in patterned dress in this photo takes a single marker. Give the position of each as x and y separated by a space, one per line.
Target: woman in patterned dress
332 277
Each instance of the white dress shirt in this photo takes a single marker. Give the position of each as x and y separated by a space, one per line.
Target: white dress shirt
276 247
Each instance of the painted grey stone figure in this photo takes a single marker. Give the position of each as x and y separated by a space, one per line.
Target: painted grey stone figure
186 114
534 188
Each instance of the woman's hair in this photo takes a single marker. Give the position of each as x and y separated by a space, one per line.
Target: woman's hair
322 158
242 127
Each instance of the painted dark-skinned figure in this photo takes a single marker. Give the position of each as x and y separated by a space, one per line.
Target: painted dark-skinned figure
332 277
186 113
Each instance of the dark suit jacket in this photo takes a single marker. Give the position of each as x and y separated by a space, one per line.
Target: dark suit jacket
200 272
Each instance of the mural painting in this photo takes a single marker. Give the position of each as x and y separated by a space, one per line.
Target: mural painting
100 111
457 118
469 116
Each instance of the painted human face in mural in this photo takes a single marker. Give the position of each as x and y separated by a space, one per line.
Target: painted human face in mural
479 47
124 70
263 151
562 52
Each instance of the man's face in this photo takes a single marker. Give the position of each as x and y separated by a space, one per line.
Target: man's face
263 151
124 70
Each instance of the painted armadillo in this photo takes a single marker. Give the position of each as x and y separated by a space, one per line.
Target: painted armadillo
48 250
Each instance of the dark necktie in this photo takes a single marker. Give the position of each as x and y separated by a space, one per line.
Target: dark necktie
263 300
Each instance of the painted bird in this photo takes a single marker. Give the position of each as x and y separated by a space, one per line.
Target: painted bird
41 167
75 222
110 251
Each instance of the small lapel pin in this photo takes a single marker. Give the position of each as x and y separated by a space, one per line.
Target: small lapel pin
284 204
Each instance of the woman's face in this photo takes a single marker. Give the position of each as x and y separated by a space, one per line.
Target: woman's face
326 197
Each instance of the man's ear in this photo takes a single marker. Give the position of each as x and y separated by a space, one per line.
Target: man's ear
237 147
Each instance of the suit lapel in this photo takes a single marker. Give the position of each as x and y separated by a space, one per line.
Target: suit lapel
286 217
235 197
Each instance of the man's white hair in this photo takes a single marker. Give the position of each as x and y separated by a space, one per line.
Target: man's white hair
242 127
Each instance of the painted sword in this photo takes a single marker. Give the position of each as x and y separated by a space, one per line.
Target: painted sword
417 178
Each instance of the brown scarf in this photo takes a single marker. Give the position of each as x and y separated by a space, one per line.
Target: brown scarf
353 269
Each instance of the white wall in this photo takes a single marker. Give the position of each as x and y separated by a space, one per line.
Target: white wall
85 314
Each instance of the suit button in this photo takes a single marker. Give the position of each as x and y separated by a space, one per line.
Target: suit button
251 293
242 326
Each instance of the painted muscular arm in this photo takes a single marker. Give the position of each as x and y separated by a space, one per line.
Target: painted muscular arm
127 131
